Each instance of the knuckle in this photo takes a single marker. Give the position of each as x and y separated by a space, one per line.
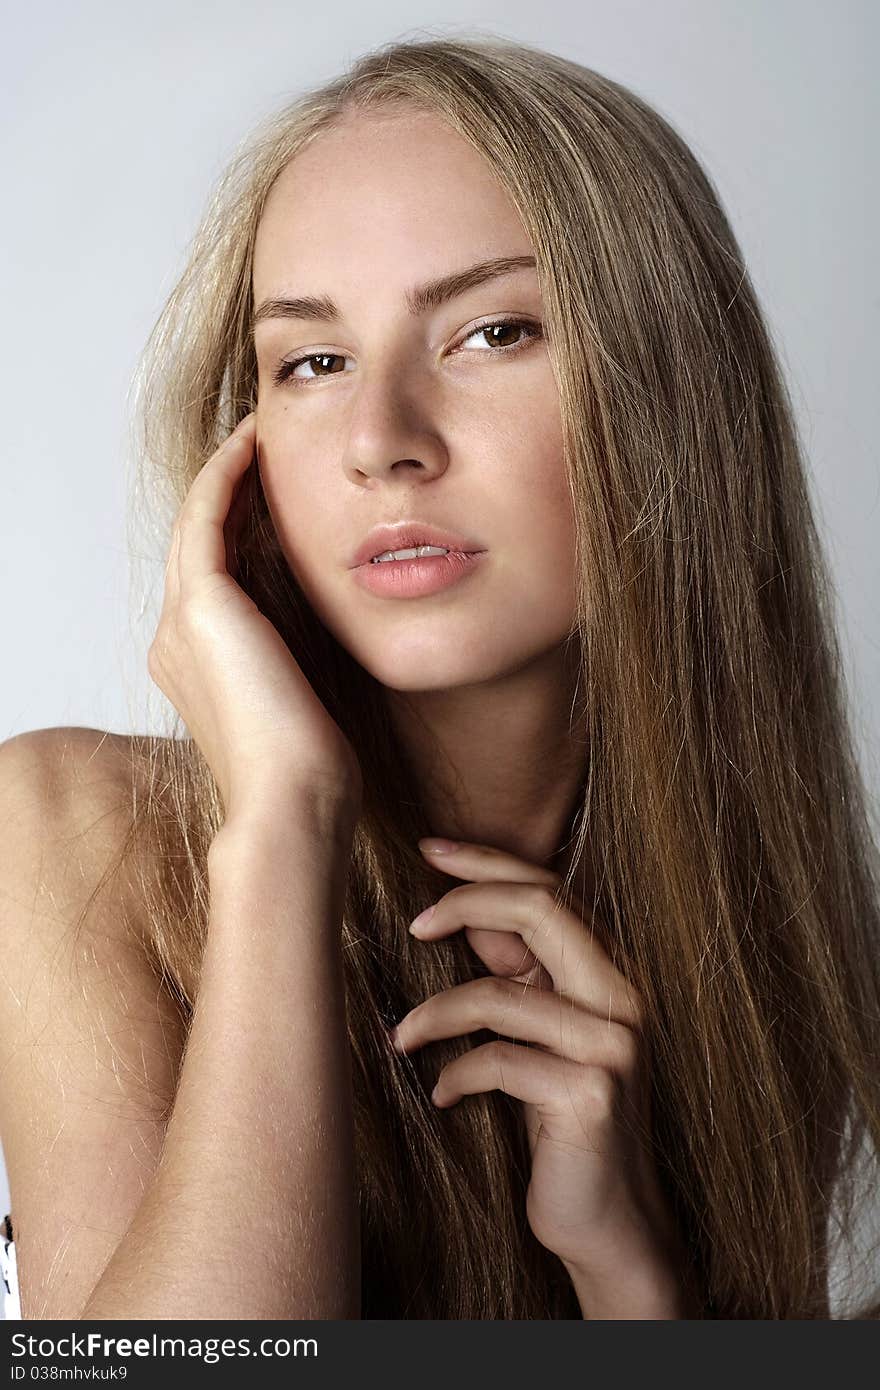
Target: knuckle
543 898
625 1049
635 1010
156 649
598 1092
495 988
157 669
490 998
161 648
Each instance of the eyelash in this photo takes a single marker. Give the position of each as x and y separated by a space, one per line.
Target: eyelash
284 371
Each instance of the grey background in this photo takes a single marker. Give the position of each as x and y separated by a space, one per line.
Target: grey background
117 120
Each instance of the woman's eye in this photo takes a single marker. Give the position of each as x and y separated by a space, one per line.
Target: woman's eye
532 331
494 333
286 369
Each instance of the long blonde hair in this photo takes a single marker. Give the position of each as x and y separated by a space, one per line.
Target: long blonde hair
720 795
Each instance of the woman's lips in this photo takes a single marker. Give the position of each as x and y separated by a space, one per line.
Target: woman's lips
418 577
408 535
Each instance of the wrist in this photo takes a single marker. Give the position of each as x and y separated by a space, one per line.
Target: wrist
280 818
646 1289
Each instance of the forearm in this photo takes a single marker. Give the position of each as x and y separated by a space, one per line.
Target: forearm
253 1209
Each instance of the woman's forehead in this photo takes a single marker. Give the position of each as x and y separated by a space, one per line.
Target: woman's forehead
396 220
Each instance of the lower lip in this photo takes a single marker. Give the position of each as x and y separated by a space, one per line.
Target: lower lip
415 578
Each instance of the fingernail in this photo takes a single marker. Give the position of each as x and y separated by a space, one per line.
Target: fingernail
438 846
423 917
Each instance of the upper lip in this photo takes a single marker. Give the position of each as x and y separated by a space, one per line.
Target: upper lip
405 535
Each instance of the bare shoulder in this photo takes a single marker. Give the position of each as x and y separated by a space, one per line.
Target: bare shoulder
60 770
90 1040
71 790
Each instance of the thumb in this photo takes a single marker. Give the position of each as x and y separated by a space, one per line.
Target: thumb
505 954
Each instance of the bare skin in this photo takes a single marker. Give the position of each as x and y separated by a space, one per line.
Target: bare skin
398 416
371 413
481 685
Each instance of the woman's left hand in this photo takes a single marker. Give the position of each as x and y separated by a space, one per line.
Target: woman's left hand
594 1198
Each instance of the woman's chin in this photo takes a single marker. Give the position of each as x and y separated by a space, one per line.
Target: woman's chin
412 681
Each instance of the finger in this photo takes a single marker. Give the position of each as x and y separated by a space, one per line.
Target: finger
563 1089
202 544
483 862
503 953
522 1014
232 526
559 939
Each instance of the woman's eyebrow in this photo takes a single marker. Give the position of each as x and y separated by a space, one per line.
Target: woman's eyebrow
418 300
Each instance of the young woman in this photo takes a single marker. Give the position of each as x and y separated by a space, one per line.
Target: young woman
475 298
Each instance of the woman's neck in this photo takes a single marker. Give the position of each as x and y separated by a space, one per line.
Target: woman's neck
499 763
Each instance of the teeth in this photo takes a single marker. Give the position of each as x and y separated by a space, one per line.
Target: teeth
409 554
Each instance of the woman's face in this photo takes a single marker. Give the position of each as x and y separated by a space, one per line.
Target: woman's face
411 416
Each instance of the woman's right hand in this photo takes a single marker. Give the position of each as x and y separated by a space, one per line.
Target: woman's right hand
226 668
